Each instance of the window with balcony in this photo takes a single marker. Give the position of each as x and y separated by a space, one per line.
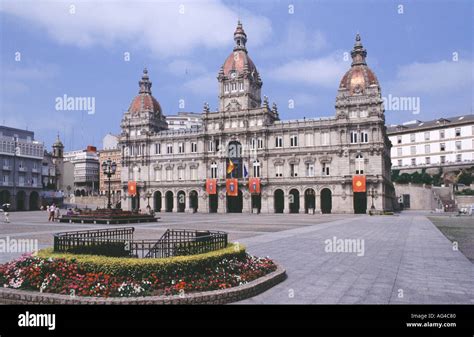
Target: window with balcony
399 139
442 147
399 162
412 137
325 169
427 136
169 148
158 148
413 161
293 170
459 157
256 168
260 143
457 132
359 163
214 170
353 137
443 159
310 170
193 173
193 147
278 171
294 140
364 137
441 134
279 141
427 160
180 147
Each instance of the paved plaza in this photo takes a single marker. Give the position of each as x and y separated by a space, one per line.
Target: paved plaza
405 258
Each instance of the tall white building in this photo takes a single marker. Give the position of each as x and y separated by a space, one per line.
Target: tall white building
437 143
184 120
86 170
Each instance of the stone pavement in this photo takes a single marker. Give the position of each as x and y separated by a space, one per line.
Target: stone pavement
406 258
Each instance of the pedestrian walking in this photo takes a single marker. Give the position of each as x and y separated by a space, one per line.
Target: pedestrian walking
57 213
6 214
51 212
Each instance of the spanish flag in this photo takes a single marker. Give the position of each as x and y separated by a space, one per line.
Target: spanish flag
230 167
211 186
358 184
232 187
132 188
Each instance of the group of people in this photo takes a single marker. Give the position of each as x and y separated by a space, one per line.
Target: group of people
53 212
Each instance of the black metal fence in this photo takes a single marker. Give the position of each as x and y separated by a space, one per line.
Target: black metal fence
119 242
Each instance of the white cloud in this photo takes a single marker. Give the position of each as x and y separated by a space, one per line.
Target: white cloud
324 72
203 85
432 78
164 28
184 68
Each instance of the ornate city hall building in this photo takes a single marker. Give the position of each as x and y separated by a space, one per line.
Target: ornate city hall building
243 158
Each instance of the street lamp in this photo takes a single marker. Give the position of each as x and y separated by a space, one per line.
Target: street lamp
108 168
373 194
148 196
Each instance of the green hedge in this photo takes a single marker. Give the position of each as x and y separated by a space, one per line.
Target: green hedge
133 267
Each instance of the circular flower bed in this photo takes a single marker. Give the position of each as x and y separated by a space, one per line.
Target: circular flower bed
73 276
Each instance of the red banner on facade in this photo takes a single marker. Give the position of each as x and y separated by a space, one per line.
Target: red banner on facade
232 187
254 185
132 188
211 186
358 184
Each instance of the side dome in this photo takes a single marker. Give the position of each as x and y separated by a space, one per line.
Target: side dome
359 77
144 101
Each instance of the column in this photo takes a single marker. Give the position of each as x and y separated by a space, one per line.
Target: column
286 209
246 202
317 203
268 204
222 203
301 210
203 204
163 202
175 203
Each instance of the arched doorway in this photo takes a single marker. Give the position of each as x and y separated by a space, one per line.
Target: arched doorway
235 204
169 201
157 201
294 201
20 201
257 202
77 193
360 202
193 200
309 200
5 197
326 200
181 201
279 201
136 202
213 203
34 201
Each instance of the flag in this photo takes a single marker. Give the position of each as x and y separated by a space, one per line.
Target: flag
358 184
232 187
132 188
246 173
254 185
230 167
211 186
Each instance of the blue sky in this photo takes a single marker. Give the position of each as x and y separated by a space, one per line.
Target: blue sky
423 49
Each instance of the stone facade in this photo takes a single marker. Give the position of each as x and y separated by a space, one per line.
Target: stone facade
304 165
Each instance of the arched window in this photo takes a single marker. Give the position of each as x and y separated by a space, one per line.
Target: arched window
256 168
213 169
359 162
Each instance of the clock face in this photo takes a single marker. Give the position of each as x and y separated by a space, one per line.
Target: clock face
233 75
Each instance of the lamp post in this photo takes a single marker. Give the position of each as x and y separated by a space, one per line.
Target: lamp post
108 168
148 196
373 194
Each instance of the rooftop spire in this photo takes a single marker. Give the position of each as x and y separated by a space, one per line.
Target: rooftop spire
358 53
240 37
144 83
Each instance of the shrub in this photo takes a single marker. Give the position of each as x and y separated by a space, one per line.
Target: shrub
123 266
